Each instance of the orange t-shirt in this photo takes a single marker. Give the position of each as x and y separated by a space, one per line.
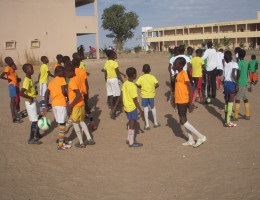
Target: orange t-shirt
11 74
181 88
75 84
81 73
57 65
58 99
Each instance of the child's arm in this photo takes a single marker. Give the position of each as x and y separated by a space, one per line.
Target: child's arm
119 75
50 74
36 82
169 68
156 85
47 95
105 75
235 77
204 69
138 107
190 95
22 94
87 86
70 106
63 89
3 77
139 86
123 74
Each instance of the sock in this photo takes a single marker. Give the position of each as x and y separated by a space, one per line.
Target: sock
190 136
33 128
61 134
85 129
78 131
146 110
154 116
247 109
237 105
131 135
188 126
194 95
229 111
43 103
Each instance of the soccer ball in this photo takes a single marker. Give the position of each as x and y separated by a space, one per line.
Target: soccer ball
44 123
208 100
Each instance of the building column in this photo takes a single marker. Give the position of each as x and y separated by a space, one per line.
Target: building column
203 29
97 36
236 28
246 28
236 42
211 29
218 29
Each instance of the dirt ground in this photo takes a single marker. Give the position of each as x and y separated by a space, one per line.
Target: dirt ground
227 166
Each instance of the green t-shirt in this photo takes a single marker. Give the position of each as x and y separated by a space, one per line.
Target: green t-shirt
242 67
205 61
252 65
171 55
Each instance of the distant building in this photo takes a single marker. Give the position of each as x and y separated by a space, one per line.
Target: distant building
240 32
32 28
145 44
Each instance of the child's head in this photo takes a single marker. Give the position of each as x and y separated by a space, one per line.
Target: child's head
190 51
182 49
221 50
146 69
28 69
176 51
131 72
209 44
69 71
242 54
179 63
44 59
9 61
171 50
75 55
76 62
199 52
66 60
253 57
59 71
236 50
228 56
59 58
110 54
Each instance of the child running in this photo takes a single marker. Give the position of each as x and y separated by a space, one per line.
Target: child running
130 101
253 72
56 89
183 99
148 83
29 93
230 86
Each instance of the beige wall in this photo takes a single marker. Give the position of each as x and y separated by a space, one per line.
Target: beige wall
52 22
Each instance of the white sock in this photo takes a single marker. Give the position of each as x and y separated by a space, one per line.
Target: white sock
154 116
85 129
188 126
131 134
78 131
146 110
190 136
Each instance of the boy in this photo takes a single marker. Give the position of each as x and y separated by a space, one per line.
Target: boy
221 61
66 60
230 86
253 70
130 101
189 52
56 89
183 99
59 58
236 51
112 75
242 72
198 66
29 93
12 78
76 106
43 79
148 83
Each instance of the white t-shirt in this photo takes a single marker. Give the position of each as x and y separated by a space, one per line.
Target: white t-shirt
227 72
212 61
172 60
220 59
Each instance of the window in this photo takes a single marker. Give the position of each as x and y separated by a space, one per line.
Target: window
35 44
10 44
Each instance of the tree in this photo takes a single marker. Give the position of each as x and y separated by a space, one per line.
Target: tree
137 49
226 42
252 45
217 45
242 45
120 23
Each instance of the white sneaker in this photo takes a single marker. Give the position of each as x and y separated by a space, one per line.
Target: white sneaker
189 143
200 141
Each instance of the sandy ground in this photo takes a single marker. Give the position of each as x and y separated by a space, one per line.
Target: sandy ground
227 166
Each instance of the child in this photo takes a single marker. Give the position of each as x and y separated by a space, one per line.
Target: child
56 89
12 78
130 100
66 60
82 63
236 51
242 72
198 66
148 83
112 75
171 51
230 86
220 56
59 58
29 93
43 79
253 70
76 106
183 98
189 52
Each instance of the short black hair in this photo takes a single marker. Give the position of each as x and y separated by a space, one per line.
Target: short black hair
228 56
75 55
221 50
65 58
189 49
181 61
199 51
70 68
58 69
43 58
109 53
76 62
131 71
7 59
176 50
146 68
209 44
242 53
181 48
26 66
237 49
59 56
253 57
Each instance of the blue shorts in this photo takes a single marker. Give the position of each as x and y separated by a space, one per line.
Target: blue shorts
132 115
148 101
229 88
12 90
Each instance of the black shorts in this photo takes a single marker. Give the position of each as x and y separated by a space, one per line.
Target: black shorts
182 109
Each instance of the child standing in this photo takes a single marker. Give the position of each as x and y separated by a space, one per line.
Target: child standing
56 89
130 101
29 93
59 58
148 83
242 72
183 99
253 70
230 86
220 56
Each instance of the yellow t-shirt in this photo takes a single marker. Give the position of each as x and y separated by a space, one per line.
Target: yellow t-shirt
110 67
82 65
129 90
147 83
197 63
44 78
28 85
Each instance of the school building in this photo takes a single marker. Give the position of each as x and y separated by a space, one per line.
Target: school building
239 32
33 28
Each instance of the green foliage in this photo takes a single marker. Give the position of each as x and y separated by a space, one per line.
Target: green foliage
137 49
119 23
252 45
203 44
242 45
226 42
217 45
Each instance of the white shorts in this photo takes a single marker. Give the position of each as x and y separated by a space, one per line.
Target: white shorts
60 114
33 110
43 88
113 88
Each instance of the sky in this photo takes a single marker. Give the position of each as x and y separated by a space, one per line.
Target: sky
166 13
